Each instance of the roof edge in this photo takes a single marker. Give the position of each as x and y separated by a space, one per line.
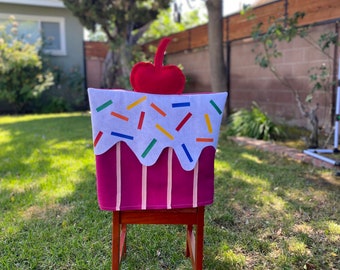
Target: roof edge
41 3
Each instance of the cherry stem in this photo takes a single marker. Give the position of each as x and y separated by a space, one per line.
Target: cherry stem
159 56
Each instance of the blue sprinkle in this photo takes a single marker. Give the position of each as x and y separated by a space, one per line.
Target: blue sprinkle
187 152
121 135
180 104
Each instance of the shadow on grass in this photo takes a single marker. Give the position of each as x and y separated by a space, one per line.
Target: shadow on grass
40 231
259 201
263 205
73 234
28 149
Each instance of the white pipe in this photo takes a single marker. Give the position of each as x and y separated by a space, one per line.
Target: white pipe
331 161
323 151
337 111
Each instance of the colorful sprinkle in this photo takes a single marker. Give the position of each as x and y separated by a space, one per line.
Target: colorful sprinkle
96 140
187 152
208 122
166 133
147 150
204 139
180 104
157 109
184 120
135 103
215 106
122 135
141 120
120 116
103 106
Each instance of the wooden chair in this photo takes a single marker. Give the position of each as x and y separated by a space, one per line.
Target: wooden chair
191 217
155 152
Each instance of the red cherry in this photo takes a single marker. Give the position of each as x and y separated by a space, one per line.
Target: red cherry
156 78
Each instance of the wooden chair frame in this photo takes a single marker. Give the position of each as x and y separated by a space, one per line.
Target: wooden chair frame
188 216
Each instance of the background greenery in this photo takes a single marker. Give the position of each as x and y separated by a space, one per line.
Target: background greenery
29 82
269 212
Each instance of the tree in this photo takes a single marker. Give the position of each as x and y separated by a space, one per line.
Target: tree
216 55
266 50
123 22
165 25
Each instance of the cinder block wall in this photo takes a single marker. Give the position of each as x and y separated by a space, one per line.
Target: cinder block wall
249 83
195 68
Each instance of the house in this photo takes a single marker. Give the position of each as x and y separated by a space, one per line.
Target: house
52 21
62 30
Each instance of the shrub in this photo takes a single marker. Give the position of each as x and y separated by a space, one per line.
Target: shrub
22 75
254 124
67 94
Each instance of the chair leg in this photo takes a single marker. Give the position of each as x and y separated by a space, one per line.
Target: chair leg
122 247
199 239
194 246
195 242
115 240
199 247
188 250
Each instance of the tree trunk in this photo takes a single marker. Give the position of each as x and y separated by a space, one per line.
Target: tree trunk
116 70
314 136
216 55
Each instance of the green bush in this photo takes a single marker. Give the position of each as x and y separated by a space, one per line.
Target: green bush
67 94
22 73
254 124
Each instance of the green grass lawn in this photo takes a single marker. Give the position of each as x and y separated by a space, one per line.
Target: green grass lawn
269 212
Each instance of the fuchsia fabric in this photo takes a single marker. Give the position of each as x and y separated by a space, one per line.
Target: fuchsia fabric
154 147
157 197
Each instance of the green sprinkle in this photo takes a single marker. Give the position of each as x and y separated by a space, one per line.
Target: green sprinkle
215 106
103 106
147 150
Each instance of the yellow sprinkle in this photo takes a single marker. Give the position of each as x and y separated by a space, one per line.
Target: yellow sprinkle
160 128
207 121
135 103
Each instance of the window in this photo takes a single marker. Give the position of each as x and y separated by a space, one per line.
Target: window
51 30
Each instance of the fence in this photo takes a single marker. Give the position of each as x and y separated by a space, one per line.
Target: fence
246 81
95 53
239 26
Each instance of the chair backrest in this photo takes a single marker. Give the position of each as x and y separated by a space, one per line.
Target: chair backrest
154 151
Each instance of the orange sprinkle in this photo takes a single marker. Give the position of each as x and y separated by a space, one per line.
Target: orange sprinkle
120 116
204 139
159 110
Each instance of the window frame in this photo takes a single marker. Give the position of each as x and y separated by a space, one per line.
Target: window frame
39 19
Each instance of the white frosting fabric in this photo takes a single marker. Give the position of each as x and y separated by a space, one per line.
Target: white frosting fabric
148 123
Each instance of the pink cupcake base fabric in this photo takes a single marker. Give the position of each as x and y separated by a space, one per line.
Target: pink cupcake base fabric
123 183
154 151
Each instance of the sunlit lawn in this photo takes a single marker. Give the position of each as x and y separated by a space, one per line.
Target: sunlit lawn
269 212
